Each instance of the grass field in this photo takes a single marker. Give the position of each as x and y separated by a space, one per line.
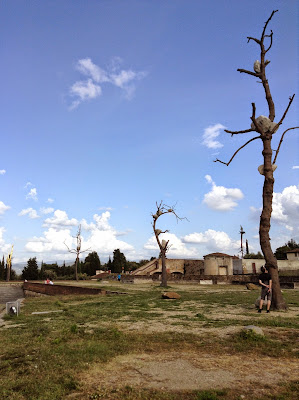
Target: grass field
140 346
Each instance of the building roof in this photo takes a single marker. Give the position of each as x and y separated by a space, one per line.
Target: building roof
218 255
293 251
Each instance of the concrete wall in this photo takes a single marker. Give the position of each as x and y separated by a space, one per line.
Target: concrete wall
218 265
155 266
248 265
55 290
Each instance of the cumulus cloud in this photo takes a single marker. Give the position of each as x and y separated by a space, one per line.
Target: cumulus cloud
3 207
2 171
221 198
285 208
178 247
97 236
114 75
30 212
60 220
210 135
213 241
4 247
46 210
32 194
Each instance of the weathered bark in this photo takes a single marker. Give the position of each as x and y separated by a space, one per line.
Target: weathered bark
271 262
164 272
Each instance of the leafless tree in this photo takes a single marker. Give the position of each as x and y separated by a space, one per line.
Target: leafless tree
164 245
77 250
266 127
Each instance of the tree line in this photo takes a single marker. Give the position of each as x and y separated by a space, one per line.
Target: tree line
86 268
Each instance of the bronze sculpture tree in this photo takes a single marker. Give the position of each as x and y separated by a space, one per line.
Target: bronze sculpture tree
266 127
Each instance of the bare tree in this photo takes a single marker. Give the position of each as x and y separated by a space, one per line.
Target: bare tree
164 245
77 250
266 127
8 265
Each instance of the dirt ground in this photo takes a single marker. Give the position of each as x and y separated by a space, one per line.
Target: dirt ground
191 371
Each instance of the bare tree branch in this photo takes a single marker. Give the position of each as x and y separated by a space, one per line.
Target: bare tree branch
252 38
281 140
217 160
284 114
266 24
271 39
238 132
249 72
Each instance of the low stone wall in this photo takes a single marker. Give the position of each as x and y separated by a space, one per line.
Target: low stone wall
56 290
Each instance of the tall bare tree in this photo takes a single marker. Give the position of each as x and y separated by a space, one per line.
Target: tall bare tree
266 127
164 244
77 250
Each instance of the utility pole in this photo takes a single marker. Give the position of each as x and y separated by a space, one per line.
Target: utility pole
242 233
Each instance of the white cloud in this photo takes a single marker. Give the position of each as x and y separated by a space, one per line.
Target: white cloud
214 241
285 209
30 212
4 247
46 210
50 200
84 90
32 194
221 198
178 247
210 135
27 185
105 208
87 67
90 89
97 236
2 171
60 220
3 207
295 167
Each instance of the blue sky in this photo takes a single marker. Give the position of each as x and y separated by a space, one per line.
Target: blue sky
110 106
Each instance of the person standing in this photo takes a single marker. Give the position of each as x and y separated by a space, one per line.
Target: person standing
265 281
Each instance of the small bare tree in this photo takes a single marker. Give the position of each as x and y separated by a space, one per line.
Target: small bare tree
77 250
164 245
266 127
8 265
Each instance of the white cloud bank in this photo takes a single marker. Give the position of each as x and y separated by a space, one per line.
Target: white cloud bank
90 89
213 241
97 236
210 135
4 247
285 208
221 198
178 248
3 207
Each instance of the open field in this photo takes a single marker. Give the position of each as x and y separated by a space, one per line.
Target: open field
140 346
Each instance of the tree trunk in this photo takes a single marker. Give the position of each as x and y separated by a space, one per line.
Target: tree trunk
271 262
164 275
76 268
7 273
